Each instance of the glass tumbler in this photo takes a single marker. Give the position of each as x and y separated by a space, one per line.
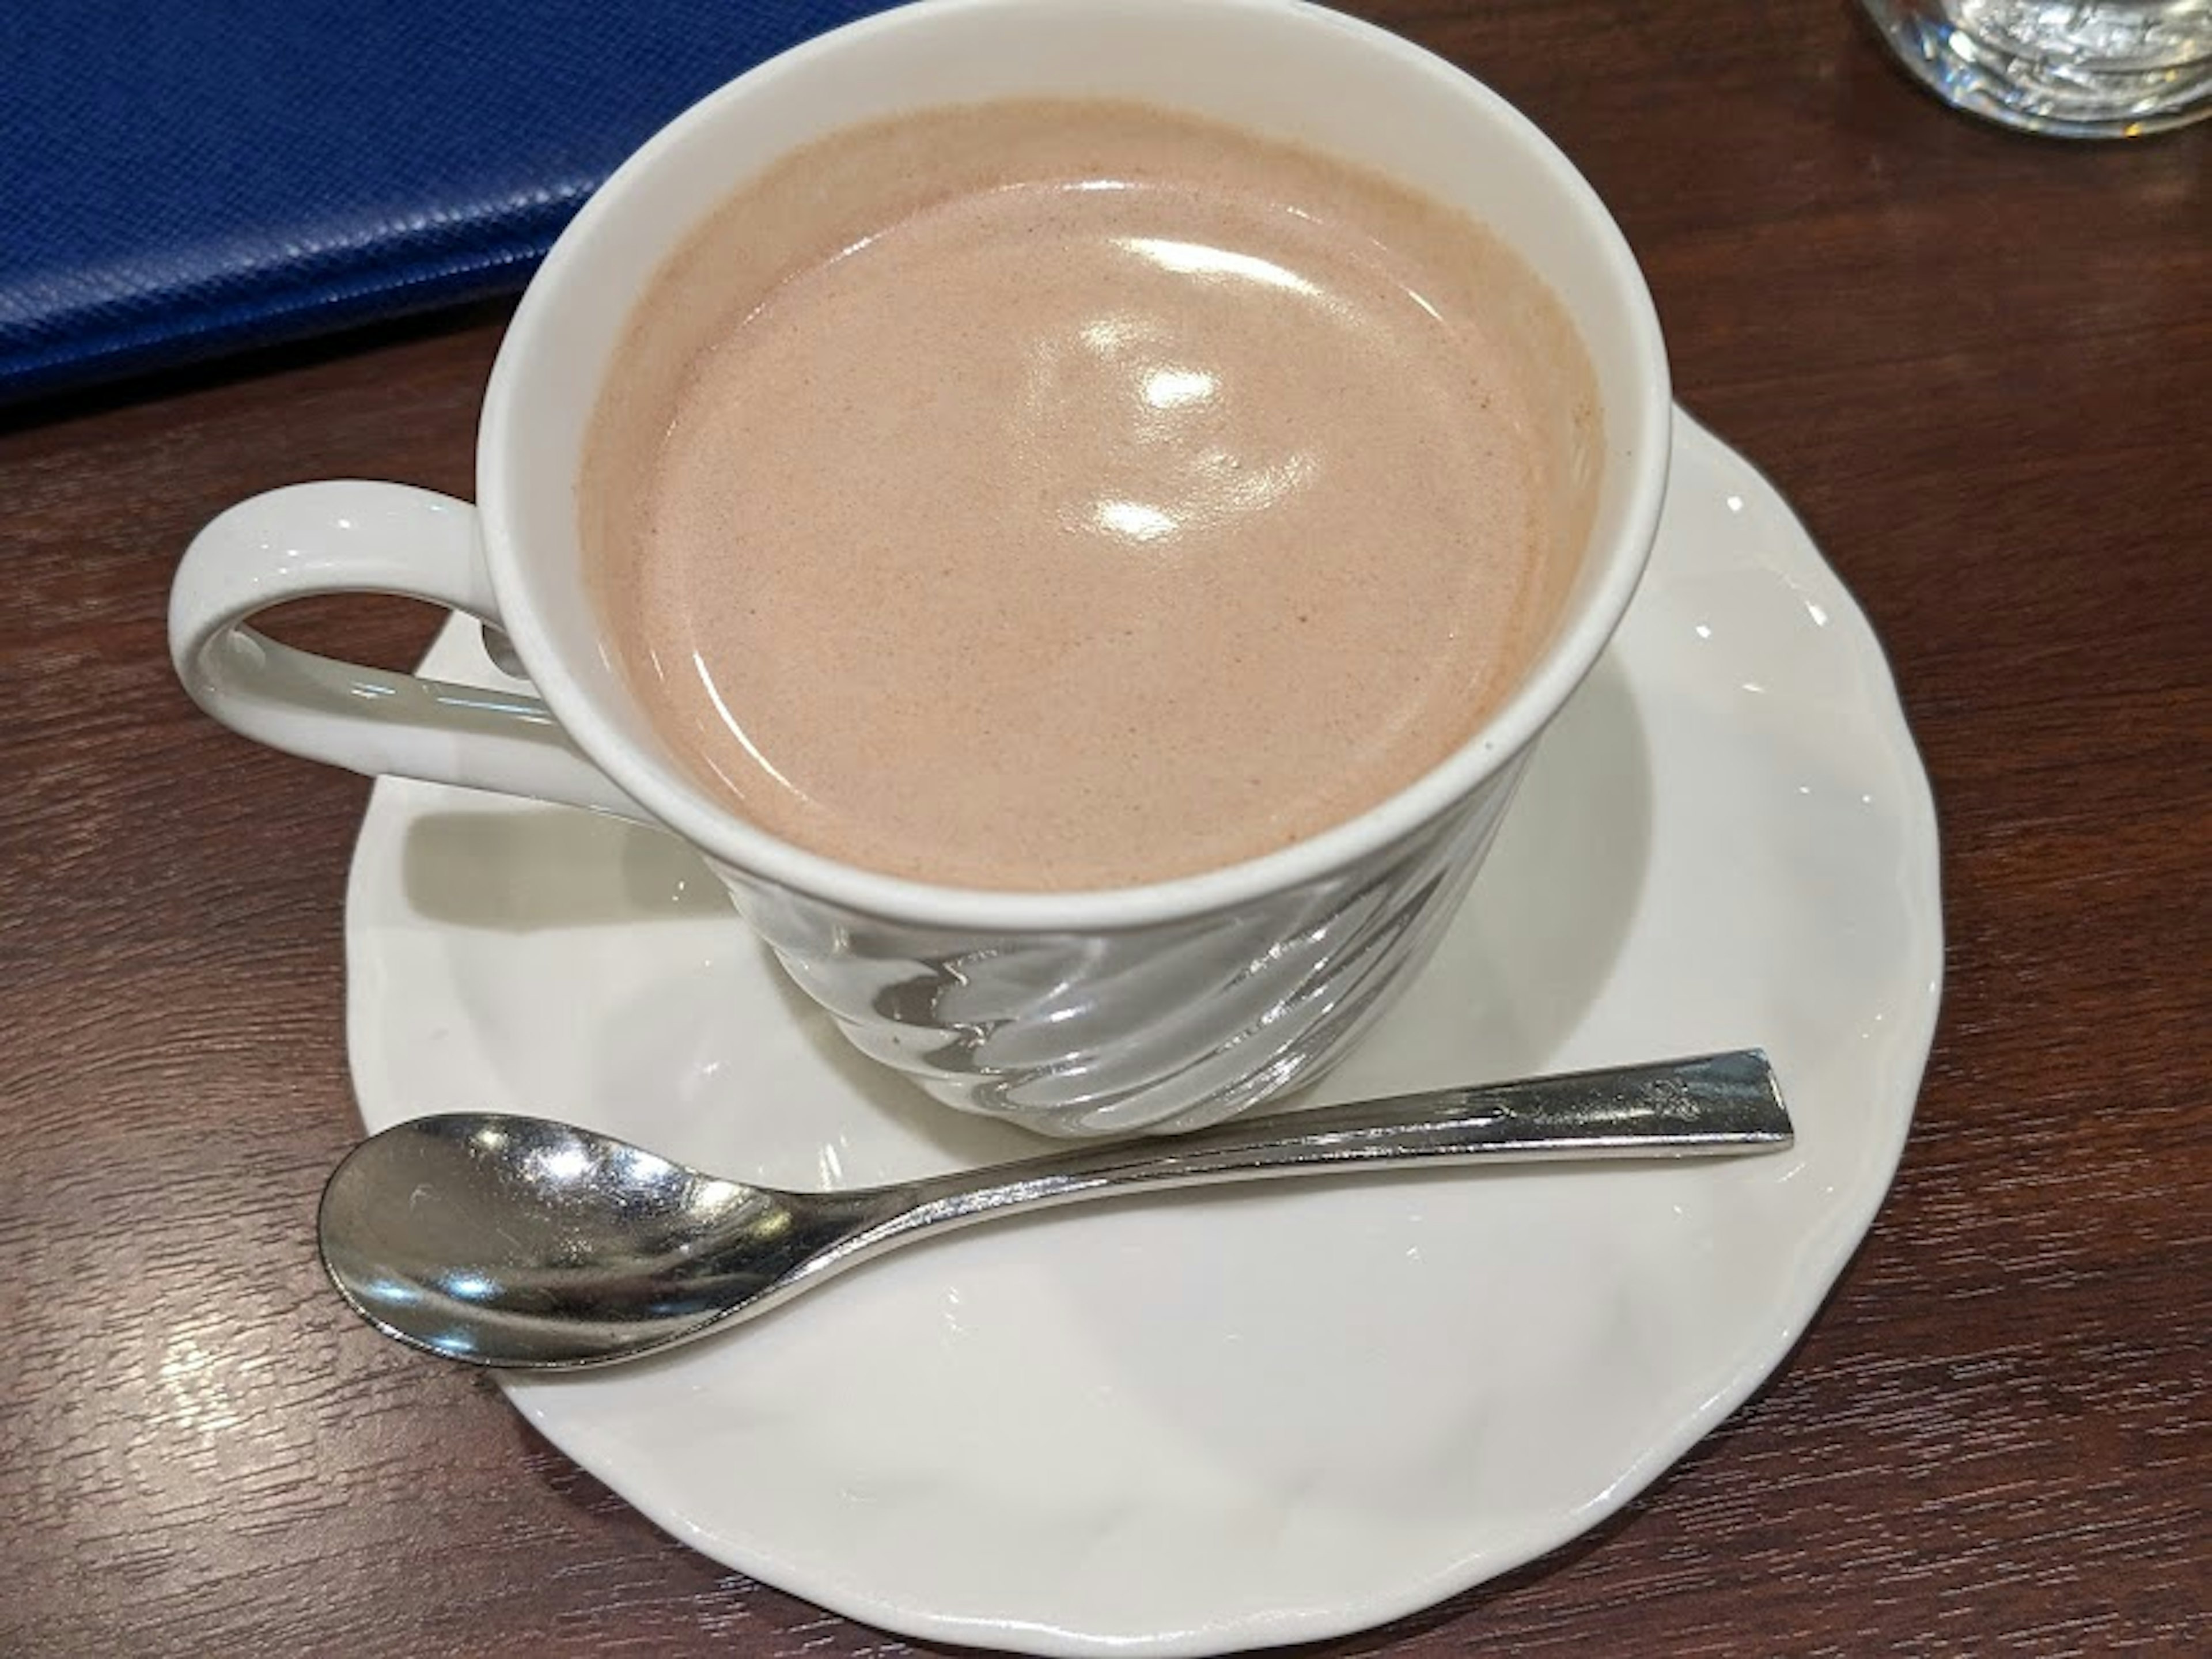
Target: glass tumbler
2101 69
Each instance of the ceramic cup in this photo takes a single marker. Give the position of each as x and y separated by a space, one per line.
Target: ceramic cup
1161 1006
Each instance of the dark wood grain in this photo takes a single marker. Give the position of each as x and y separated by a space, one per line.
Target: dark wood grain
1980 365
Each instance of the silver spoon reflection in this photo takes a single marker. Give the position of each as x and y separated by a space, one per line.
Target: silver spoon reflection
513 1241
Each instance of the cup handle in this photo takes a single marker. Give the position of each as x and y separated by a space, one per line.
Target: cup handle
349 536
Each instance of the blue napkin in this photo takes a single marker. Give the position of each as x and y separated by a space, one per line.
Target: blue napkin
182 178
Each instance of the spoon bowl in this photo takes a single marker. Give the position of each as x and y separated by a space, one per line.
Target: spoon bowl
519 1243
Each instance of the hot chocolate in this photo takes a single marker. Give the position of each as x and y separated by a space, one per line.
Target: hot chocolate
1056 495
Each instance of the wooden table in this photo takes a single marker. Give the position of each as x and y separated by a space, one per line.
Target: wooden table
1981 367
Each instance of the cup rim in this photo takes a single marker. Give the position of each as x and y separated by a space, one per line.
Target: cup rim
755 853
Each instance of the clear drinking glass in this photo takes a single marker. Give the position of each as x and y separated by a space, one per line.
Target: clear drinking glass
2107 68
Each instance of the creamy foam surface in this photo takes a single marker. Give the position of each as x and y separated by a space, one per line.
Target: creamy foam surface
1065 496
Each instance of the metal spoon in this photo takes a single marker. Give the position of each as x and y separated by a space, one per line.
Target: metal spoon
518 1242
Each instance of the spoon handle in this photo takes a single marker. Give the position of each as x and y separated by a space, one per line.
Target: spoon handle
1712 1103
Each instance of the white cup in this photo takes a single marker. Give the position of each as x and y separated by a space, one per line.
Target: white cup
1160 1006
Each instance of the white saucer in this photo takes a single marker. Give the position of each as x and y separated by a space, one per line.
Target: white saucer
1199 1423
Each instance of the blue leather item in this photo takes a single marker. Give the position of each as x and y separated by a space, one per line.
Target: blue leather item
179 178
